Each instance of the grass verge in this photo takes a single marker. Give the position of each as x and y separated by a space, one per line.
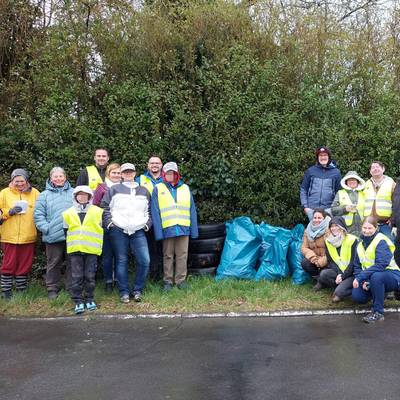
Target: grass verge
204 294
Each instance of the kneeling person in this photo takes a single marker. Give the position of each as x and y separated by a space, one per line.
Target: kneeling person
84 234
341 249
375 269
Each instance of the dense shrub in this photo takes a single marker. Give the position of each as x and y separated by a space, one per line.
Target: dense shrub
240 96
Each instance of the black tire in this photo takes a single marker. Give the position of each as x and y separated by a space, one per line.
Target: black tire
202 271
211 231
201 246
204 260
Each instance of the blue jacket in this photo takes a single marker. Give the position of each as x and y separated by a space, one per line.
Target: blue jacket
383 256
48 211
319 186
176 230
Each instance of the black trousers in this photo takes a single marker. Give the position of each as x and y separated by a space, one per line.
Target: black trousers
156 256
311 268
83 277
327 278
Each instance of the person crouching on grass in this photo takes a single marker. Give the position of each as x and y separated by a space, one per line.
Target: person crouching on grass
84 234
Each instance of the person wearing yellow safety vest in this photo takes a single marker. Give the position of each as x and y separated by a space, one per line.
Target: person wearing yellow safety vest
174 220
93 175
84 233
149 179
375 270
349 202
152 175
340 252
378 193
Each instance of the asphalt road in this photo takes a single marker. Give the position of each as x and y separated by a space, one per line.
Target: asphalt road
336 357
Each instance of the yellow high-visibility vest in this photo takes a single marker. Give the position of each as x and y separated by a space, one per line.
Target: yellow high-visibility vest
146 182
367 256
344 259
174 213
94 177
382 198
86 237
344 200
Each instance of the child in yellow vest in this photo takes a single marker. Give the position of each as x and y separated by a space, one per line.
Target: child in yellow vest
84 234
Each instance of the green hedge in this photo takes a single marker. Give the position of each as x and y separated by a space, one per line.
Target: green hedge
238 97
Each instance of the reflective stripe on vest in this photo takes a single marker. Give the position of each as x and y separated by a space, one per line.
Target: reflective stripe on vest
344 259
174 213
86 237
146 182
93 176
382 198
344 200
367 257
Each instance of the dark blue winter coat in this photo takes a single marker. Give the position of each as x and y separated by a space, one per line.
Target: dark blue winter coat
319 186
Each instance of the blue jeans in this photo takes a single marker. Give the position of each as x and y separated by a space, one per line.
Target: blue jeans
123 244
380 282
107 258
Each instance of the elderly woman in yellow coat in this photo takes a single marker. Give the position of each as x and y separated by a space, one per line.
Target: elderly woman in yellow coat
18 232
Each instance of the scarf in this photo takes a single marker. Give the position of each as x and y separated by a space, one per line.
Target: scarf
109 183
314 232
335 241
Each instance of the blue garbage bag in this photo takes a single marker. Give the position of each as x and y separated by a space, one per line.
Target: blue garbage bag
275 243
294 257
240 252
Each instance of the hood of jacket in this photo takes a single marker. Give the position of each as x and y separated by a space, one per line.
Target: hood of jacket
353 174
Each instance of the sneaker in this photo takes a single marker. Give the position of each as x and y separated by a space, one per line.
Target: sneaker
6 295
318 286
137 297
336 299
373 317
167 287
52 295
125 298
91 306
183 285
108 287
79 308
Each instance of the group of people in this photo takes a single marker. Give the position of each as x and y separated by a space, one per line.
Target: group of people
109 215
348 244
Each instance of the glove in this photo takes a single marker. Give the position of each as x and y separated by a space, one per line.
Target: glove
15 210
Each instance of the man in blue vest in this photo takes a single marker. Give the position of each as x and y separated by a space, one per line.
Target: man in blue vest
93 175
149 179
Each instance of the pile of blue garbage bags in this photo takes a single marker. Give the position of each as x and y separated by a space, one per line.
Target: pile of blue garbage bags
262 252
